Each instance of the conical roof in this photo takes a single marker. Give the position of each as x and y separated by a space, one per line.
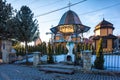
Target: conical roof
69 17
104 24
70 23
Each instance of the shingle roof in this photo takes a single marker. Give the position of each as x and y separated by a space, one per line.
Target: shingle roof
69 17
104 24
110 36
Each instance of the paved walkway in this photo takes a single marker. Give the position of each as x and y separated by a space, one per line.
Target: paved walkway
17 72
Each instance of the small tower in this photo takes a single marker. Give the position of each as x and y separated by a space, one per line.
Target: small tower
104 30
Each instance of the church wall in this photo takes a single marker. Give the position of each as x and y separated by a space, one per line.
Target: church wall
97 32
103 32
109 45
37 42
66 37
110 31
57 38
74 39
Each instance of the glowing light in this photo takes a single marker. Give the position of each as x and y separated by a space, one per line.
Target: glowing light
66 28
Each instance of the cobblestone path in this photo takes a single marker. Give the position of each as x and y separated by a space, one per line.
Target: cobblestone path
17 72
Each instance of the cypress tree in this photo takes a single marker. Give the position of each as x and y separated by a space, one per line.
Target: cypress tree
85 46
63 49
50 56
78 47
99 61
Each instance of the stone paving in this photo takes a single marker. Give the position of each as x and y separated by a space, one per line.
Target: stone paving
18 72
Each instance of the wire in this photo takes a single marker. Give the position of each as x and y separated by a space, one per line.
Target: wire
60 8
34 1
48 4
92 11
15 0
48 21
100 9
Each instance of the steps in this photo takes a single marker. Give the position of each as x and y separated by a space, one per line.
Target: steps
57 68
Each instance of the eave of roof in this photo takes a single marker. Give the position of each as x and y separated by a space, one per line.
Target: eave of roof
110 36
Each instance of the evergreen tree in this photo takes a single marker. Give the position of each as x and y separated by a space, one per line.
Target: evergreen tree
66 50
40 47
6 12
99 61
62 49
44 48
78 47
85 46
25 28
59 49
56 49
89 46
50 56
82 46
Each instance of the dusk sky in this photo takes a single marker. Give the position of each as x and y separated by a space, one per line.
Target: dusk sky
90 12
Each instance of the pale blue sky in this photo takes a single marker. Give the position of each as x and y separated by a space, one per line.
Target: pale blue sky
38 7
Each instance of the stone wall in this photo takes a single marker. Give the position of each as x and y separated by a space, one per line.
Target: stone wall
36 58
6 49
87 60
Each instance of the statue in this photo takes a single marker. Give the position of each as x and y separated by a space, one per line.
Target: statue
70 45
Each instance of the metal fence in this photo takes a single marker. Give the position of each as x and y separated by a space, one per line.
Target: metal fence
111 61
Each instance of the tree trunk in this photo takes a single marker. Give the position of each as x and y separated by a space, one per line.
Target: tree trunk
26 51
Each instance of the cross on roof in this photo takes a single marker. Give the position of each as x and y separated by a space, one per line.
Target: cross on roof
69 4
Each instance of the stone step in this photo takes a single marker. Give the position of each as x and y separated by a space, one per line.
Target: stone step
56 70
61 66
